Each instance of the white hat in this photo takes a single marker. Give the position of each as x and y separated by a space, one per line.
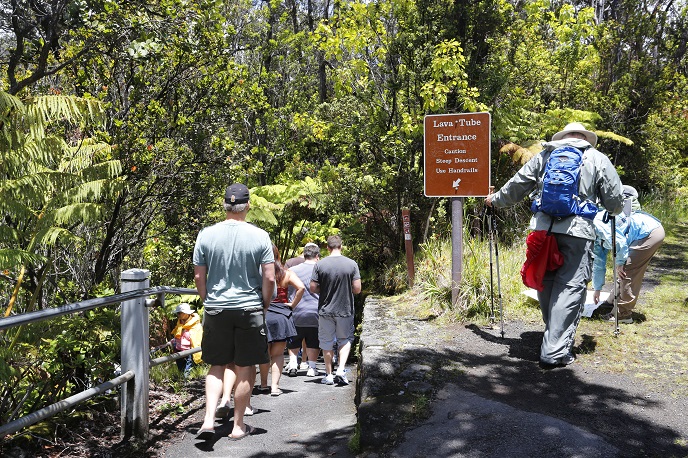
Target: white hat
591 137
183 308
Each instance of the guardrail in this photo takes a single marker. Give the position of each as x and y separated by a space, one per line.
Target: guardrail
135 362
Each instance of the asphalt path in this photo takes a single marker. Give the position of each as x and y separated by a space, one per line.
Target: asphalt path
308 420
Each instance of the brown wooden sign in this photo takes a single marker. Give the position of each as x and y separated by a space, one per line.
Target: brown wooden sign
457 155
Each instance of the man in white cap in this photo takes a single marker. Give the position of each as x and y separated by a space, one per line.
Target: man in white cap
234 272
563 296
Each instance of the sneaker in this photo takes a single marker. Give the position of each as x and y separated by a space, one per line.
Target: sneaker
311 372
303 366
568 359
340 377
328 380
610 317
292 372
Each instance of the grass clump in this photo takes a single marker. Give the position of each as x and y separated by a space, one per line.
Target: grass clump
480 287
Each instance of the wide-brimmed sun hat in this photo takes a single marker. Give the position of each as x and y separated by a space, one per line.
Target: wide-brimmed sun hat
591 137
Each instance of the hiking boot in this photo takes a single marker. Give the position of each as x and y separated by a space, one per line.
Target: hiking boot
610 317
568 359
328 380
311 372
340 377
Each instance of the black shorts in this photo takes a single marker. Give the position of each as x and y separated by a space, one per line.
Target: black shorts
309 334
235 336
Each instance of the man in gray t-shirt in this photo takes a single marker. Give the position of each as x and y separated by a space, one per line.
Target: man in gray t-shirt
337 279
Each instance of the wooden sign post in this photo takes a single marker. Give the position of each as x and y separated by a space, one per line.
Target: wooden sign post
408 244
457 165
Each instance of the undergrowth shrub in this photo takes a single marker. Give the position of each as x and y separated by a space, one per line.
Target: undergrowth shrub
478 292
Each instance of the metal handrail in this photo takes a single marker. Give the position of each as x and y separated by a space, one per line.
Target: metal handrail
59 406
173 356
88 304
135 401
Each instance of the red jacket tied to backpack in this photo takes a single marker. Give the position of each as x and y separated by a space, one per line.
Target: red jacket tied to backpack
542 254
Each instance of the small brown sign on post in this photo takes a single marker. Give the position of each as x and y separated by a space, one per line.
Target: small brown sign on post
457 155
408 244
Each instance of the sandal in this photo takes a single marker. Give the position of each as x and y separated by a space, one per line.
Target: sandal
249 430
276 392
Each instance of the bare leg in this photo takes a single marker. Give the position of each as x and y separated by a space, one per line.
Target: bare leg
327 356
312 355
277 360
228 384
246 375
213 391
264 369
293 357
343 355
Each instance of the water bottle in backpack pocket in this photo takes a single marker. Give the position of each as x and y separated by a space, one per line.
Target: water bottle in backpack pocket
560 197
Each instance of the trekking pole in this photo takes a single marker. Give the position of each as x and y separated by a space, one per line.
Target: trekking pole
488 212
616 284
499 285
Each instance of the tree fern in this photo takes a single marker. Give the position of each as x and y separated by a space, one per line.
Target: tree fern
50 186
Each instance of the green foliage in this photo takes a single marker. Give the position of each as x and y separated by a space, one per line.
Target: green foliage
49 361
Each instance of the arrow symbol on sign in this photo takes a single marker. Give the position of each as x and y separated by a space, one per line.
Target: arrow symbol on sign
455 184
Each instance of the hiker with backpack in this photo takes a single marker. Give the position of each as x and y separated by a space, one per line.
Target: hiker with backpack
567 180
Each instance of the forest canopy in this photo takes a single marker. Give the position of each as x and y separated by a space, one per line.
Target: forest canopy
122 122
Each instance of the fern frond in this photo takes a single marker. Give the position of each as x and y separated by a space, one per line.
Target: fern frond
261 215
84 155
12 258
90 191
14 209
107 169
9 104
8 234
67 108
615 137
50 235
76 213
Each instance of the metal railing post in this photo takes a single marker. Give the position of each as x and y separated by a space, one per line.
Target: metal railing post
135 356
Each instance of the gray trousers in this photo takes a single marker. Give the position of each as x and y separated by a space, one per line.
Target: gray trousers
563 296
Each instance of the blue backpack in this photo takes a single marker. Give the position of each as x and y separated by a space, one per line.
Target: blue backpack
559 197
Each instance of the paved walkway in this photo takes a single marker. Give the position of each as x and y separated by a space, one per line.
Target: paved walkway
308 420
